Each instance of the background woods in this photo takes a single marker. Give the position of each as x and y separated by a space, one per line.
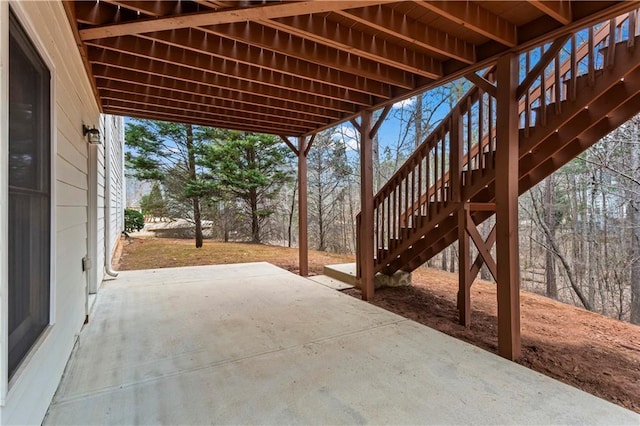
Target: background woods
579 228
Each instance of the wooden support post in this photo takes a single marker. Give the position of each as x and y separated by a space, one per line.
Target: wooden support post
464 284
365 255
507 250
303 244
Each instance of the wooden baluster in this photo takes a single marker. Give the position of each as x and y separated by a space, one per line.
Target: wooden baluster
492 142
419 224
632 29
527 103
482 160
395 214
413 197
591 57
469 145
573 86
558 91
443 188
611 51
388 221
428 183
543 96
406 201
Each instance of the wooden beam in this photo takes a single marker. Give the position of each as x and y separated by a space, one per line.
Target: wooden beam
141 101
345 39
424 37
366 253
280 42
172 63
477 264
506 194
290 145
176 81
276 109
464 281
140 47
196 101
356 125
151 8
476 18
235 52
559 10
379 121
303 240
184 118
310 144
480 244
224 16
482 83
200 116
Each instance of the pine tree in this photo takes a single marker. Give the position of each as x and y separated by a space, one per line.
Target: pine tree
250 168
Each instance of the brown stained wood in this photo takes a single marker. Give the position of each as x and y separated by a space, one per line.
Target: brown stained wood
198 102
477 263
127 49
506 194
475 17
275 109
366 251
312 139
202 74
367 53
397 25
334 35
168 105
545 60
205 43
464 280
145 79
290 144
483 248
267 11
190 119
560 10
151 8
271 40
482 83
303 239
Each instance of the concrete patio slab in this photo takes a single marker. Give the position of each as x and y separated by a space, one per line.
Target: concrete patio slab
254 344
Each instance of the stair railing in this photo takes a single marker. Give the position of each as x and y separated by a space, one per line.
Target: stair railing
461 148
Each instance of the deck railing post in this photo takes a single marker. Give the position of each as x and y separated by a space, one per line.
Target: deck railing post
365 253
303 243
507 249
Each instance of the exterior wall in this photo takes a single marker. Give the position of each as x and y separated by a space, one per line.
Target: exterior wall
77 218
114 199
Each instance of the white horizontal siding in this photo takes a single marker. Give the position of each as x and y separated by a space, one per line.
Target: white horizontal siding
33 387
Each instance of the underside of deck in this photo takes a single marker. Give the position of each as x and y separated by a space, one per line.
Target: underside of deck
252 343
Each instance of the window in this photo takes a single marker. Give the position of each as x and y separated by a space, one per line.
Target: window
29 195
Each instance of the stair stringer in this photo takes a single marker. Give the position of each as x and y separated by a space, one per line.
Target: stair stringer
613 99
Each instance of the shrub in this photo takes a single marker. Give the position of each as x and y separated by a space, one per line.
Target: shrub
133 220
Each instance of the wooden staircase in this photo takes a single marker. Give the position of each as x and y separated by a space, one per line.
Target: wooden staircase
572 92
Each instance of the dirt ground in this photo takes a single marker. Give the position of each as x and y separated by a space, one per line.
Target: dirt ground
594 353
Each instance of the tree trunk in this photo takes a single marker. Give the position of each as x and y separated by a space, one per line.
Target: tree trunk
634 221
550 219
255 223
197 218
444 260
293 207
